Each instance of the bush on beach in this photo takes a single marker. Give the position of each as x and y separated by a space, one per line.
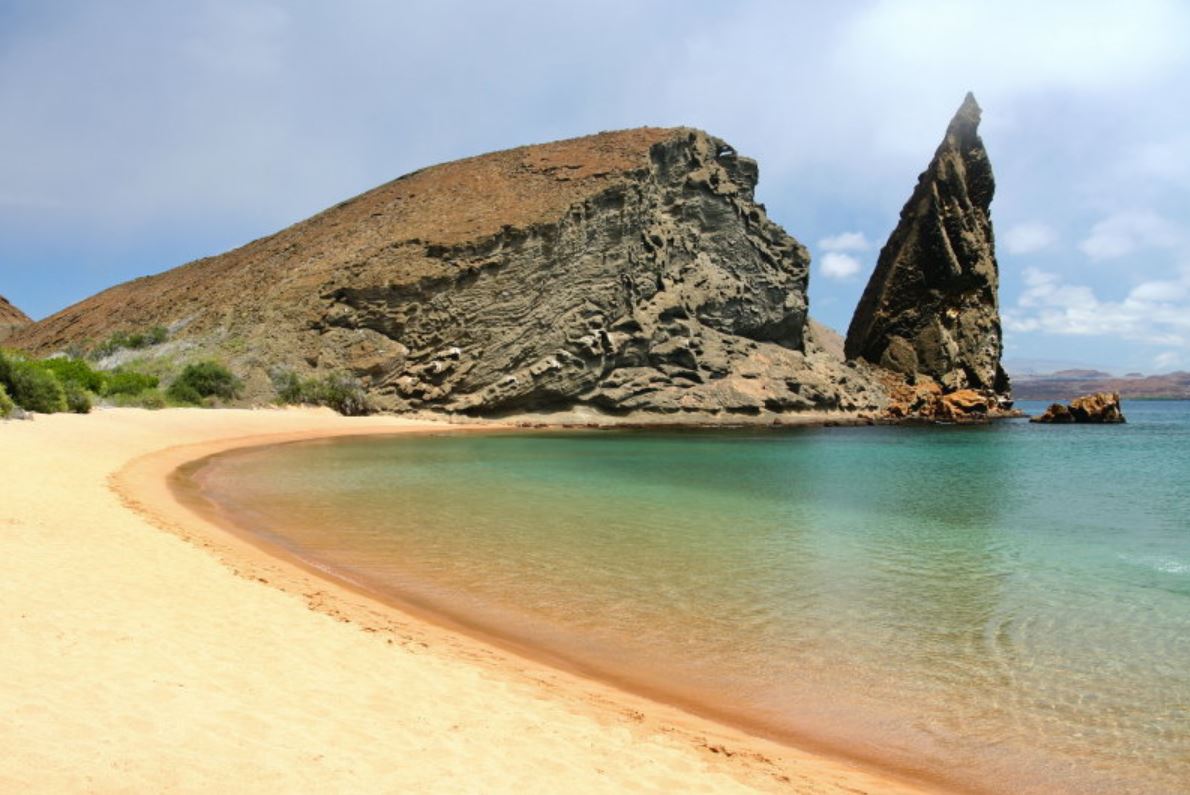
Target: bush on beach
129 383
78 400
337 391
64 383
148 399
204 383
7 407
76 371
33 388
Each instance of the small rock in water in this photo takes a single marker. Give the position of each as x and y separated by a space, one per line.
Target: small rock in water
1100 407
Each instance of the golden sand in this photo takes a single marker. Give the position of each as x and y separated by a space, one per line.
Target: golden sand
145 650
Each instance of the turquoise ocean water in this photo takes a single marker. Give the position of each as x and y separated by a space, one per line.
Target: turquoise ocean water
1004 607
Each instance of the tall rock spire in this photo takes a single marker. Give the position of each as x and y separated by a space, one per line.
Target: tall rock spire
931 306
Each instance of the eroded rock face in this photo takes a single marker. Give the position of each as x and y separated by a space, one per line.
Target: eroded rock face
931 306
11 319
673 293
925 401
624 272
1100 407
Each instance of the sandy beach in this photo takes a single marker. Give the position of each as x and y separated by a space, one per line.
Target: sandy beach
146 650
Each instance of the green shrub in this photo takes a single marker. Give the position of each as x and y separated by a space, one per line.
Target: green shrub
30 386
6 404
65 383
204 380
6 361
78 400
128 382
35 389
338 391
184 393
147 399
151 399
343 394
74 371
288 386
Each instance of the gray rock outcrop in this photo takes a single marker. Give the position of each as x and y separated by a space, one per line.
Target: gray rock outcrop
931 306
624 273
644 297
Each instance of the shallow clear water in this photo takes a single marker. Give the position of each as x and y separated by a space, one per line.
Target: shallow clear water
1007 607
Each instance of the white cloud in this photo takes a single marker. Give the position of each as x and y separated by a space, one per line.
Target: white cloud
845 241
1160 292
1029 237
1063 44
1129 231
839 266
1167 360
1156 312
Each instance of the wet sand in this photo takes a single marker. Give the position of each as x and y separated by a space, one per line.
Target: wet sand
146 649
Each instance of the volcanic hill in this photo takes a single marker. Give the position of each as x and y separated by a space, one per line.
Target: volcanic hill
622 273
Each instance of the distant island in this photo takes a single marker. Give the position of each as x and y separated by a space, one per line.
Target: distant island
1067 384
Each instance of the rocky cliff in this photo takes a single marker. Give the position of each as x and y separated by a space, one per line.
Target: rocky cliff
931 308
11 319
626 273
623 272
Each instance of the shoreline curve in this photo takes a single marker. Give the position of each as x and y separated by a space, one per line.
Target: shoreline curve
589 727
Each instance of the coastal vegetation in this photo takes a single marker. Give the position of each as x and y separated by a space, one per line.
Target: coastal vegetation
338 391
64 383
31 386
204 383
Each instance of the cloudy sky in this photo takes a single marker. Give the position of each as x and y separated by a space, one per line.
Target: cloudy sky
138 136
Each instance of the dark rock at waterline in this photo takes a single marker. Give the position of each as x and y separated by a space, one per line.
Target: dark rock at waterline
1101 407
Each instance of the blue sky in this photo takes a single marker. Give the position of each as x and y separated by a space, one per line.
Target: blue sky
138 136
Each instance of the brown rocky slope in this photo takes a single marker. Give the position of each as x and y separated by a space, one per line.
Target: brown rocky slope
11 319
626 272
